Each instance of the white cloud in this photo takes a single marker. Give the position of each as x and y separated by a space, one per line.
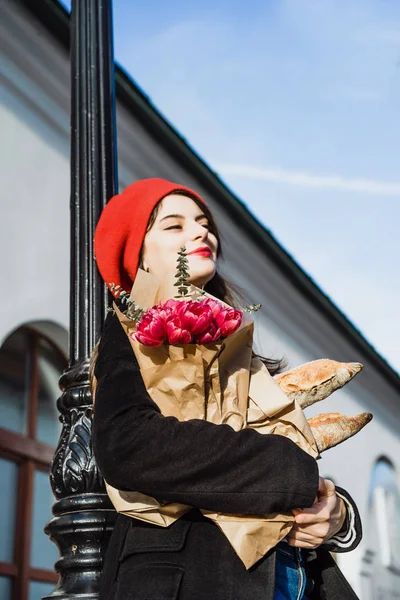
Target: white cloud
299 178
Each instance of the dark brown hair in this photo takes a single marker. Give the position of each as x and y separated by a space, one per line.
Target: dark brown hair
218 286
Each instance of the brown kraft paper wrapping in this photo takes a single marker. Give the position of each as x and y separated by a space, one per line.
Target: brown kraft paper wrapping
220 383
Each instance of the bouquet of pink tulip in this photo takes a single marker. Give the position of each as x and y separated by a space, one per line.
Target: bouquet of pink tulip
190 322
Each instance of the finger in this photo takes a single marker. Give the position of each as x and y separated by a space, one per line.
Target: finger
319 530
305 545
315 536
325 506
308 518
326 487
301 536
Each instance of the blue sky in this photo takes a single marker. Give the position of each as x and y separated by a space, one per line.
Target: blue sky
295 103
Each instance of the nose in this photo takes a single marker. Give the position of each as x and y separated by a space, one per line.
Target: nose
199 232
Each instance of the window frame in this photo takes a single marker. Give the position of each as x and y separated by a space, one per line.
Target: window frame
30 455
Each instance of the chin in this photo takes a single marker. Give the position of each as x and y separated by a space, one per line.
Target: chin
202 278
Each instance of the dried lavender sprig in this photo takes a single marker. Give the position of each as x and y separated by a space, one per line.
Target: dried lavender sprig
133 311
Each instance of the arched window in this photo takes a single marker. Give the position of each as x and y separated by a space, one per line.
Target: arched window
381 561
30 366
385 503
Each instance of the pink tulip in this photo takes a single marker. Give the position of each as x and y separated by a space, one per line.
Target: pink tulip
171 304
171 308
228 320
162 311
146 340
215 306
176 334
195 317
151 330
210 336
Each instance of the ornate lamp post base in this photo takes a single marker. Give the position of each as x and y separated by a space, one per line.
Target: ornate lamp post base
81 529
83 515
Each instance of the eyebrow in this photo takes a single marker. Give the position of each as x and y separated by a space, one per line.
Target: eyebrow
176 216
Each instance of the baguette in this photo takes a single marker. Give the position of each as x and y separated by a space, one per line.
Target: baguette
331 429
316 380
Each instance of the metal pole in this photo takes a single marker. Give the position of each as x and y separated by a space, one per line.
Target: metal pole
83 515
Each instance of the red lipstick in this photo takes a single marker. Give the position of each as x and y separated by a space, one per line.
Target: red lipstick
203 251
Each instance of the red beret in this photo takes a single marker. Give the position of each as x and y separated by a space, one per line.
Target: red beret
122 227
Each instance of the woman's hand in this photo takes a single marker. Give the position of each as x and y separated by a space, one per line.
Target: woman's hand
314 526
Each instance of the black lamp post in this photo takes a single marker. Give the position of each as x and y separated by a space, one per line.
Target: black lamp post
83 515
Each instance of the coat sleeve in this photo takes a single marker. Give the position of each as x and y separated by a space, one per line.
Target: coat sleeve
194 462
350 535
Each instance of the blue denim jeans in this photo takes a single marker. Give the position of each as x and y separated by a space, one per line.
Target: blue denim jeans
291 581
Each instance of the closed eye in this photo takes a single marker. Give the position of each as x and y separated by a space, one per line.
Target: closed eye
206 225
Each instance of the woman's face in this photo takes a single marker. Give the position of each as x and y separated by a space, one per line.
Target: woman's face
180 222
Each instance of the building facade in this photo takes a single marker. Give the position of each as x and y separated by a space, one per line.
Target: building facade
297 320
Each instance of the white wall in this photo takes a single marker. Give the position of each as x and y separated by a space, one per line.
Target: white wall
34 230
34 244
34 227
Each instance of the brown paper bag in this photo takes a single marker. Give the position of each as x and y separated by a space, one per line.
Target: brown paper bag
220 383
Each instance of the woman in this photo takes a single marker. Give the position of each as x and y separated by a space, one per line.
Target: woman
196 462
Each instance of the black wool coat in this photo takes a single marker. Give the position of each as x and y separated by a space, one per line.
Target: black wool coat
205 466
